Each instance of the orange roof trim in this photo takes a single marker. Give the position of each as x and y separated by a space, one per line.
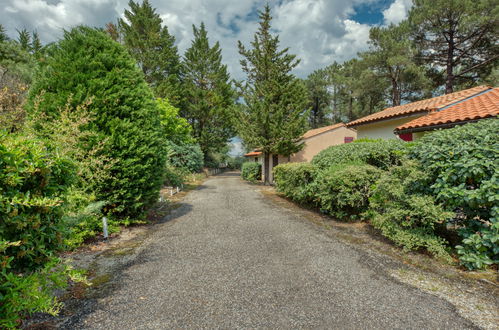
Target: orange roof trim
320 130
253 153
420 106
481 106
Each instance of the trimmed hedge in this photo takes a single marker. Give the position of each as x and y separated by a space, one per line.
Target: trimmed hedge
295 181
378 153
251 171
462 165
343 191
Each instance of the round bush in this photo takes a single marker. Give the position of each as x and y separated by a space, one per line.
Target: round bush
294 181
87 66
378 153
251 171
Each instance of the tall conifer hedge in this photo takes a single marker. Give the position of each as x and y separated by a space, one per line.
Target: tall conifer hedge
87 65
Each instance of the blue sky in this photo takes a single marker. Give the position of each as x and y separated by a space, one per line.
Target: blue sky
317 31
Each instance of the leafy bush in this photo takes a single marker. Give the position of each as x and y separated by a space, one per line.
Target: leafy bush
235 163
87 67
185 155
33 187
251 171
378 153
343 190
462 166
175 176
294 181
404 214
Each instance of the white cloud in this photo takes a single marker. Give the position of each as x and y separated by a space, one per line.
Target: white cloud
318 31
397 11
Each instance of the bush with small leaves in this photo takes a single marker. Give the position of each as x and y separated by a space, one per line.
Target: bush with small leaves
251 171
295 180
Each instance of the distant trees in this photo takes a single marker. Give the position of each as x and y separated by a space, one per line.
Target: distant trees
319 98
209 95
88 68
274 114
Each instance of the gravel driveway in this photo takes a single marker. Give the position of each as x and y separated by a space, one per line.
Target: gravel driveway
232 259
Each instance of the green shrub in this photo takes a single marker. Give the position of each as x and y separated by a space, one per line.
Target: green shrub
235 163
378 153
251 171
404 214
462 166
87 67
22 294
33 187
294 180
343 190
175 176
186 156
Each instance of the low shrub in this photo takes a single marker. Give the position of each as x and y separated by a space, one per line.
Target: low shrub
251 171
404 214
295 180
378 153
33 185
343 190
462 167
175 176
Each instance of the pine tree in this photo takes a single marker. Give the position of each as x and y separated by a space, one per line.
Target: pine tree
113 31
87 68
153 48
392 58
36 44
274 114
24 39
209 96
3 34
319 98
460 36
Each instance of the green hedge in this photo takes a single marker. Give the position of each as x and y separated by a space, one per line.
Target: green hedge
401 210
295 180
343 191
378 153
462 164
251 171
187 156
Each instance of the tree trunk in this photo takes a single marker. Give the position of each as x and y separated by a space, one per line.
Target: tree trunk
395 93
266 168
350 107
449 79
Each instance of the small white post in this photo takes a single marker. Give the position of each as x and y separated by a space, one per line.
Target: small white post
177 190
104 227
171 192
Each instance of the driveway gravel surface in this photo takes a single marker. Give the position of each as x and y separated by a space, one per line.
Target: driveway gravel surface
229 258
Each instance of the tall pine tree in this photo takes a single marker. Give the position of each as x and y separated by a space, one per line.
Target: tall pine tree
3 34
153 47
460 36
274 114
209 96
319 98
24 39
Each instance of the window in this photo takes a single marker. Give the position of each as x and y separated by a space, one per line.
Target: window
406 137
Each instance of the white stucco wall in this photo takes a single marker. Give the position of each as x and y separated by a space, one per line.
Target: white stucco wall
382 129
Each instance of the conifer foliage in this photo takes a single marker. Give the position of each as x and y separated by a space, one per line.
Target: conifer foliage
153 47
274 114
87 66
209 96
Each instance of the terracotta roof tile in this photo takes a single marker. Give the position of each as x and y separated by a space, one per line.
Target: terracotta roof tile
253 153
420 106
320 130
478 107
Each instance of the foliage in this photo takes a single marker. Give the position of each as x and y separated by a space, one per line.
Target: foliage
462 168
186 156
319 98
209 96
175 128
343 190
15 63
235 162
459 36
25 294
251 171
12 114
33 185
295 180
378 153
153 47
405 214
175 176
273 116
87 67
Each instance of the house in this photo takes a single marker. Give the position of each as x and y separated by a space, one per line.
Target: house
314 140
383 124
481 106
